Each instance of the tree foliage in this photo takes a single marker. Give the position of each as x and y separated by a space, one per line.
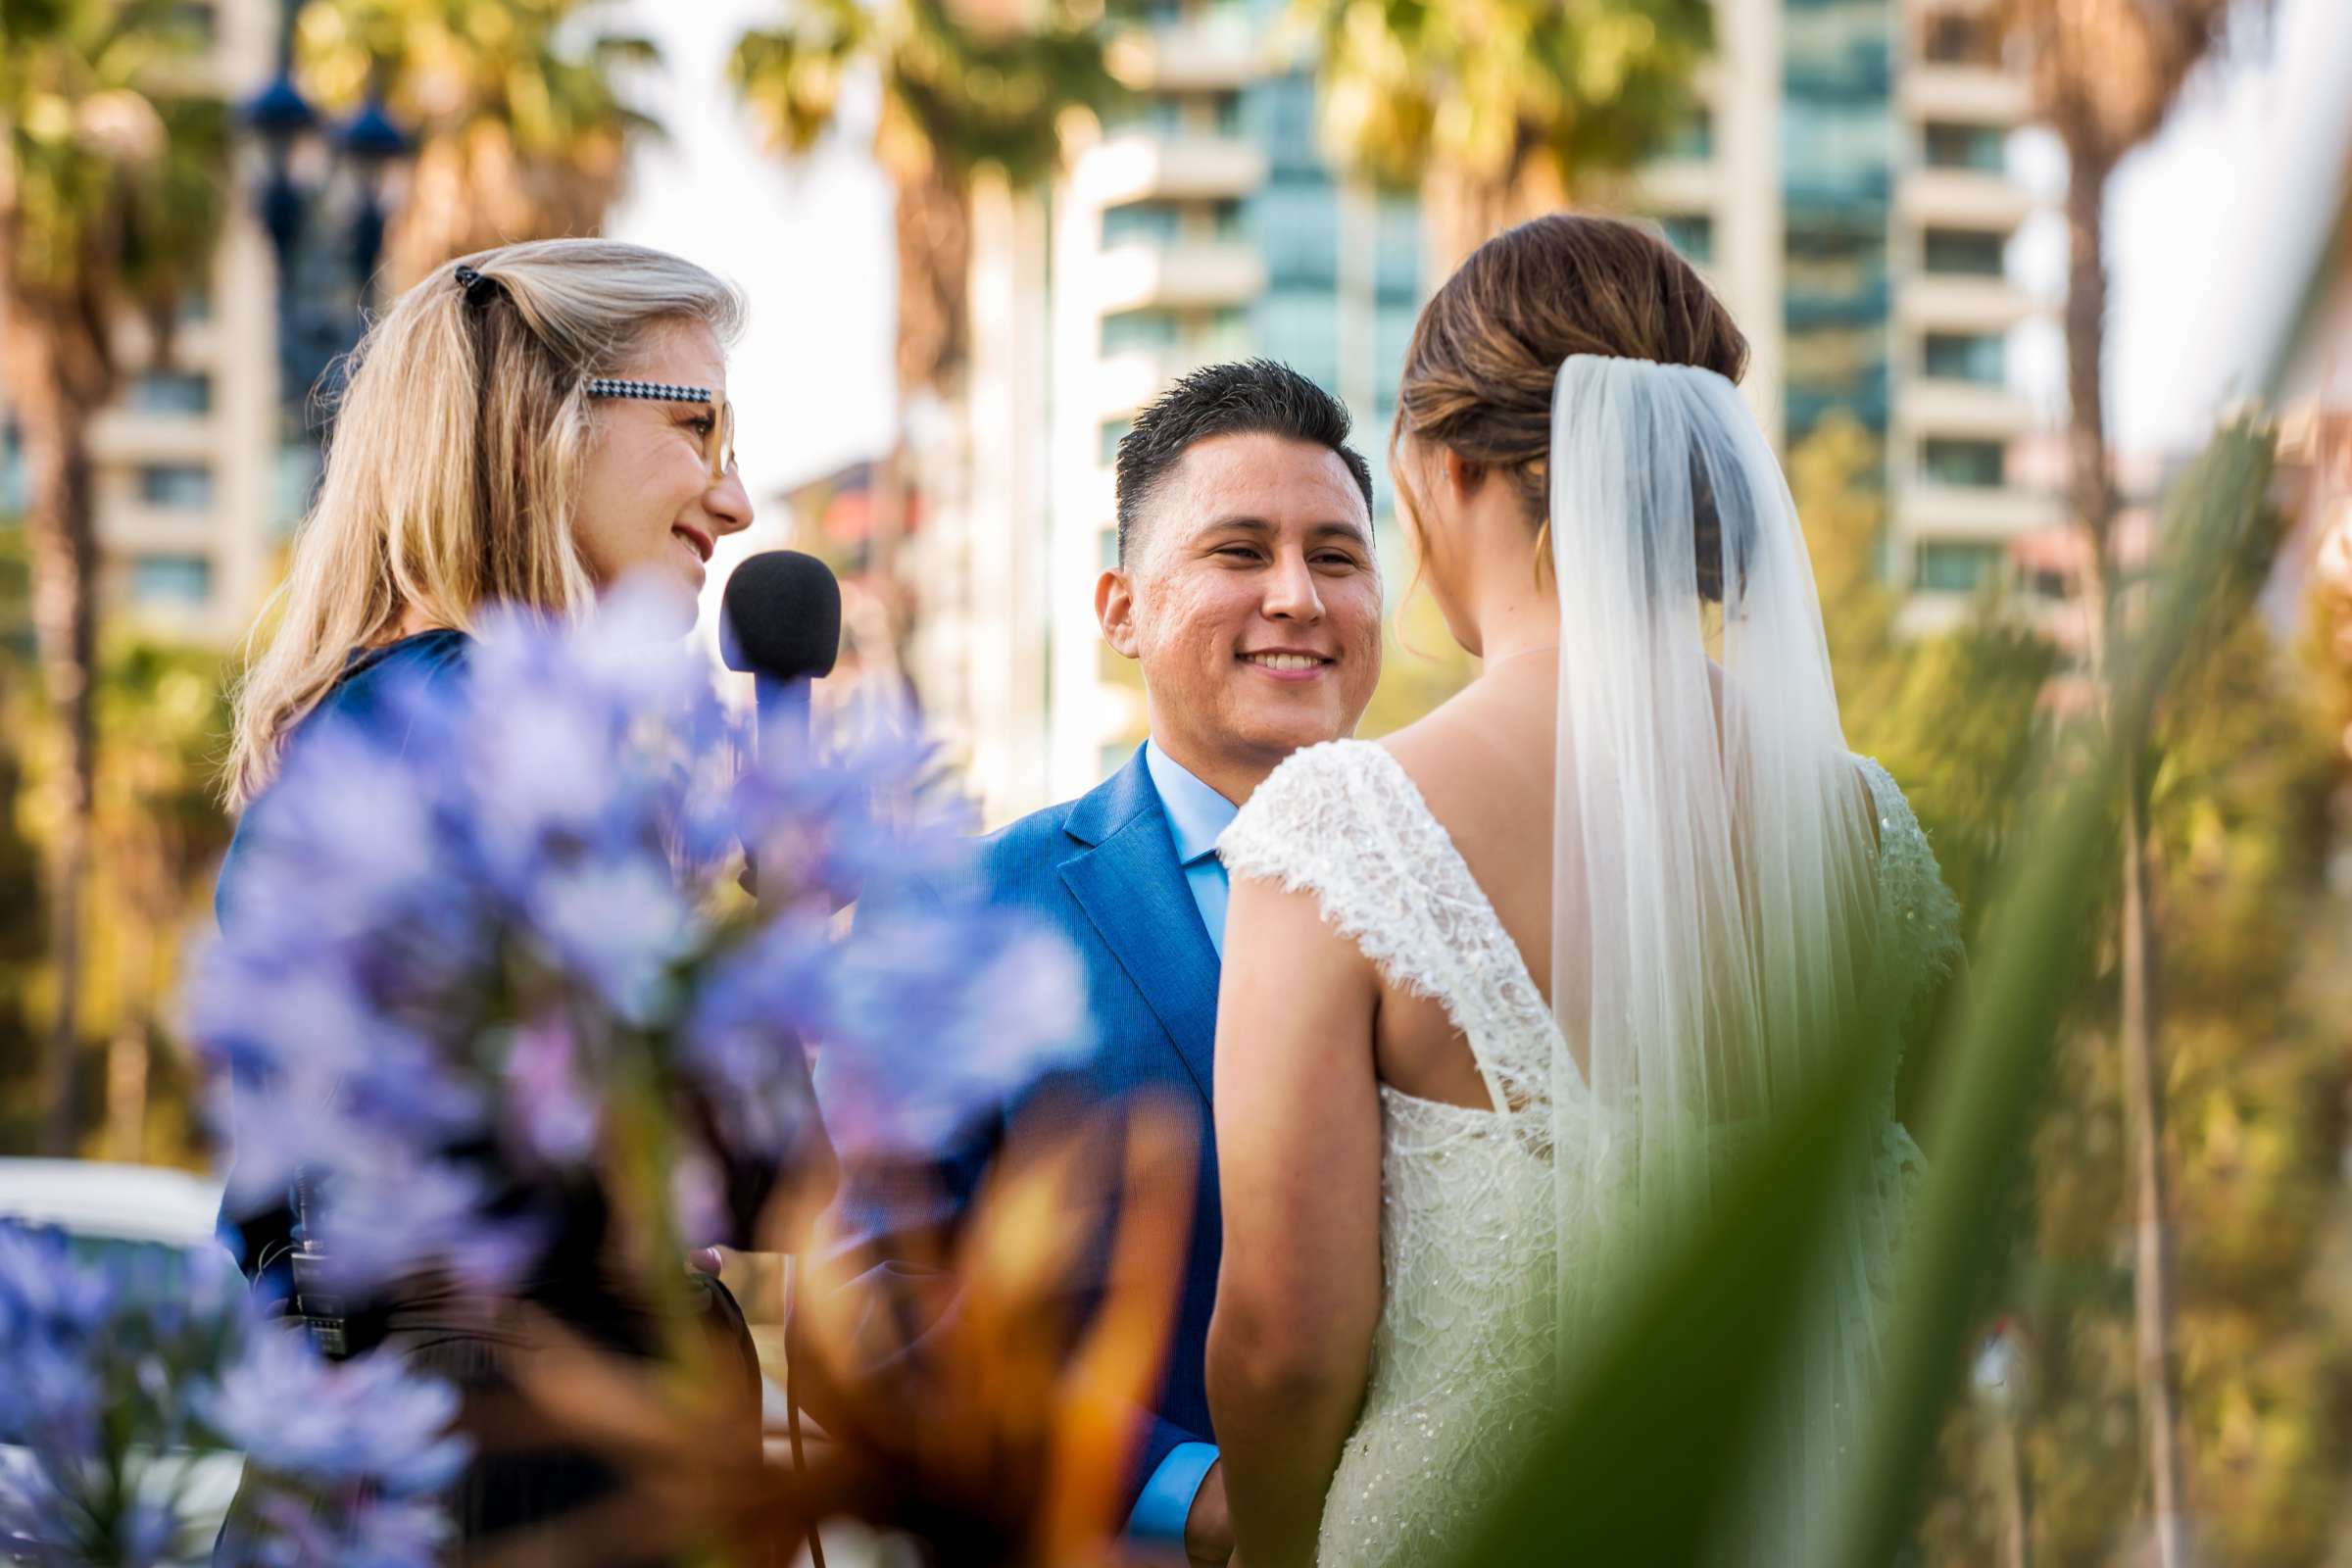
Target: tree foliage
523 124
1499 109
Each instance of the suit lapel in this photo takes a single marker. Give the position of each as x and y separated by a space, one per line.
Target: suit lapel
1130 886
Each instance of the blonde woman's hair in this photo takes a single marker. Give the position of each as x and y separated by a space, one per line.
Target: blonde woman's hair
451 481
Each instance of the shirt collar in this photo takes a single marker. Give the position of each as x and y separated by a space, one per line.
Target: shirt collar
1196 813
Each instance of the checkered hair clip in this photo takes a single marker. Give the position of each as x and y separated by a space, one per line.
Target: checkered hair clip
606 387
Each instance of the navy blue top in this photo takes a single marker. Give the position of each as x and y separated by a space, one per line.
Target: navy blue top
263 1241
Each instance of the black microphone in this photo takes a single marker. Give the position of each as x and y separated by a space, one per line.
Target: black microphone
780 622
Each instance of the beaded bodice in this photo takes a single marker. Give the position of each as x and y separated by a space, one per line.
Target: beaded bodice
1465 1354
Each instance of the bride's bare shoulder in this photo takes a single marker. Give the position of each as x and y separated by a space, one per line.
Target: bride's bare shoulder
1484 743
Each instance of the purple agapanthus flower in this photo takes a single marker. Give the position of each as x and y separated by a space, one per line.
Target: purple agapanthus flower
461 919
368 1419
124 1374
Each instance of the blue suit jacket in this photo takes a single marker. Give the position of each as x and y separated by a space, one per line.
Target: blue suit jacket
1102 871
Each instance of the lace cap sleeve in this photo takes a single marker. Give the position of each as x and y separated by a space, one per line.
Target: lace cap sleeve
1923 918
1302 824
1330 821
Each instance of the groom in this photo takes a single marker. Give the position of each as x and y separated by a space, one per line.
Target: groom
1247 589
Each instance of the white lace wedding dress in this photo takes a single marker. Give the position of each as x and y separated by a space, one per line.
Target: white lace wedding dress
1464 1357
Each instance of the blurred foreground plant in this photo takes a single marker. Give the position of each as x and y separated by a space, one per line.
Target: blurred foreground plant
1648 1458
483 950
117 1383
496 915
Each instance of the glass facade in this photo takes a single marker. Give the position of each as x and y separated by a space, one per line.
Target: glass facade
1965 252
1142 224
1694 234
1126 331
1954 567
185 485
171 392
1977 357
170 579
1981 148
1837 162
1980 464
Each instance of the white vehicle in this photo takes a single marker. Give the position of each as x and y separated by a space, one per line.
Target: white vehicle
106 1210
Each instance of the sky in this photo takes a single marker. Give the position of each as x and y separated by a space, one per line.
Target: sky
2203 226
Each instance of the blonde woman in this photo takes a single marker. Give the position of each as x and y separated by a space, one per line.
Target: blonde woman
528 426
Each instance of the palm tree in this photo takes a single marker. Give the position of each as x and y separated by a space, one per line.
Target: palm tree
521 130
112 166
965 86
2106 74
1499 110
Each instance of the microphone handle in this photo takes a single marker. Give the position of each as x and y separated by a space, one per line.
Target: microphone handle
782 706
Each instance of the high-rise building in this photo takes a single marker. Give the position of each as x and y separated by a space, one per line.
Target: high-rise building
1845 186
1876 271
1202 225
183 462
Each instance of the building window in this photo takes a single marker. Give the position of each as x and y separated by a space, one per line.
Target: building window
1225 335
170 580
1107 545
1979 465
1225 114
1296 226
1984 148
1965 252
1141 223
1159 114
1113 432
1954 40
1954 567
187 485
172 392
197 21
12 470
1979 357
1692 138
1127 331
1397 268
1301 327
1694 234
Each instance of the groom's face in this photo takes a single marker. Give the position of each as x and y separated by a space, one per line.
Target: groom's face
1252 602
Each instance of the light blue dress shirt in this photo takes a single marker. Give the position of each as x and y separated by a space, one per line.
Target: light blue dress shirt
1197 815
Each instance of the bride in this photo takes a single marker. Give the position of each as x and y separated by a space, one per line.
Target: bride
1504 991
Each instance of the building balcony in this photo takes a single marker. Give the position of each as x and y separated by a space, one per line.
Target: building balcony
1985 95
1139 165
1672 187
1128 379
1940 406
118 436
1962 198
1177 276
1972 511
1217 53
134 527
1945 303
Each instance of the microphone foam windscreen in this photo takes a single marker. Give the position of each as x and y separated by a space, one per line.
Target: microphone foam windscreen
781 617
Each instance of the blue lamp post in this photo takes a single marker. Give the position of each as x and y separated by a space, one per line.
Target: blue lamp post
321 306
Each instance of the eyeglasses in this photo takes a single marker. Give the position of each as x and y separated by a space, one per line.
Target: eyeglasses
718 442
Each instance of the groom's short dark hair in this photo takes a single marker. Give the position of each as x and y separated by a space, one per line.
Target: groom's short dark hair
1247 396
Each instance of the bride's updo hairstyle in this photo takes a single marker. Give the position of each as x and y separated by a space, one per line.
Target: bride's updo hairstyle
1483 356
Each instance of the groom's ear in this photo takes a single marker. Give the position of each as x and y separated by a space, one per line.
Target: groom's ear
1114 610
